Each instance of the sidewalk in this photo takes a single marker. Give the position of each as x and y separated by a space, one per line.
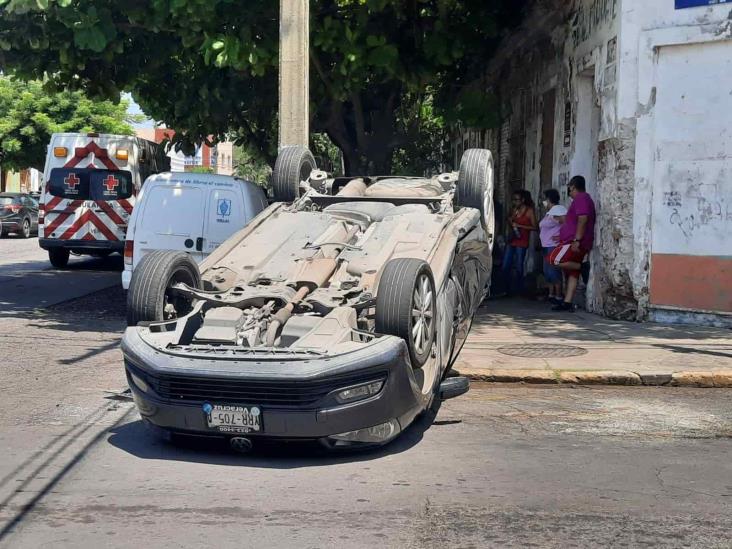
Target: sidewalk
515 340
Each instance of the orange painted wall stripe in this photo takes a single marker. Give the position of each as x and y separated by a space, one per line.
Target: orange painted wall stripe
692 282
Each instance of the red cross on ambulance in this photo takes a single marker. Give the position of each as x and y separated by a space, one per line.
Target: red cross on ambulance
111 182
71 181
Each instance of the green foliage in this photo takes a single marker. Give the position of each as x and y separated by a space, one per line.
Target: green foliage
327 156
29 115
250 166
200 169
428 153
209 67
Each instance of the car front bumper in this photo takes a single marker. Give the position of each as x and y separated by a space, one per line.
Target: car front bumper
395 406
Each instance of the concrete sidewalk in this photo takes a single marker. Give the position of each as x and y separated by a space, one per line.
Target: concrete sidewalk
514 340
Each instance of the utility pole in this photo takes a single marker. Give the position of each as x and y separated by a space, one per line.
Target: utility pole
294 115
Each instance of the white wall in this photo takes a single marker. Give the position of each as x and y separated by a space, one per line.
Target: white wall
692 171
674 86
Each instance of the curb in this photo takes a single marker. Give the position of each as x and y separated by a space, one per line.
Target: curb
713 379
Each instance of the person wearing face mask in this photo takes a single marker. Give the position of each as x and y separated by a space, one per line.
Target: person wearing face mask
549 229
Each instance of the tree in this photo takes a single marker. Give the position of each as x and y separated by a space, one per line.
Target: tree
29 115
210 68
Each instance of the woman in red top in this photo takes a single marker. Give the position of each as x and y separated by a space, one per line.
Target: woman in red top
522 221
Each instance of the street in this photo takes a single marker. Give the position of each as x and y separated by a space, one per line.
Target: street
27 279
504 465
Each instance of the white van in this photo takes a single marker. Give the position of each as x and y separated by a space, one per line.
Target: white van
188 212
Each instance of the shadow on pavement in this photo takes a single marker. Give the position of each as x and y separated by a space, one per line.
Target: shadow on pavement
26 286
103 311
134 438
536 319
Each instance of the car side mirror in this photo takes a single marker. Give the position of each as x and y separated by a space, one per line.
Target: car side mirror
454 387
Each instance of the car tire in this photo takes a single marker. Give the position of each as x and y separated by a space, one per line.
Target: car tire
148 298
25 229
404 283
475 186
59 257
293 165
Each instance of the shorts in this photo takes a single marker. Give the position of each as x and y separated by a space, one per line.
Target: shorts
564 253
552 274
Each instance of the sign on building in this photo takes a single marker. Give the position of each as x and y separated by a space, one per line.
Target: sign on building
681 4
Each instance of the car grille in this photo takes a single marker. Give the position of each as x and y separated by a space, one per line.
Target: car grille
276 393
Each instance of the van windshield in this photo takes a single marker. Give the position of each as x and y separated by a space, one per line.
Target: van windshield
90 184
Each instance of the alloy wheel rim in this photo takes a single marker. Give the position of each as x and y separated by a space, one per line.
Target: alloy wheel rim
422 314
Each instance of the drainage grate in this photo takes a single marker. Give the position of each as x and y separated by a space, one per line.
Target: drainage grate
542 351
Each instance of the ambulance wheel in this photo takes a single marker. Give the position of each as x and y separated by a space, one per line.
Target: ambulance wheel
293 165
151 297
59 257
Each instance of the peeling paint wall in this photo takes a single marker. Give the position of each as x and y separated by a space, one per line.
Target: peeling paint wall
676 77
599 60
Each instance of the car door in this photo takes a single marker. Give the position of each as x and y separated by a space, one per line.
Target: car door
225 214
172 218
32 207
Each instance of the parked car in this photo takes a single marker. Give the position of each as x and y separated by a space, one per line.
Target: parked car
334 316
18 214
188 212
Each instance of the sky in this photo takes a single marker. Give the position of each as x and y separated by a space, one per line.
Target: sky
134 108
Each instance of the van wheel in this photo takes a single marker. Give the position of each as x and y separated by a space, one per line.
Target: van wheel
151 297
59 257
293 165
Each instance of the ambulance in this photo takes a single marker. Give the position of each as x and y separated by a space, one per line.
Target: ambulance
91 183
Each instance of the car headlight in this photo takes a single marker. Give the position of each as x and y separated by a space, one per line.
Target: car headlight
359 392
139 383
378 434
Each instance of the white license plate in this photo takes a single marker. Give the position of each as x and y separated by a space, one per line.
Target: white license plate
235 419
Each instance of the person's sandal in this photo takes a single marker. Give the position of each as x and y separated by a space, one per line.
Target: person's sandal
564 306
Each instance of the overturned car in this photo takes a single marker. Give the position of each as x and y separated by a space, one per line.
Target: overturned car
334 315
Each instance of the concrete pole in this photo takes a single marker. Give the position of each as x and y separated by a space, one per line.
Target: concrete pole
294 105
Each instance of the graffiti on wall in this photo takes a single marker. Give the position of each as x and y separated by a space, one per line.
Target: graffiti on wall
701 210
590 16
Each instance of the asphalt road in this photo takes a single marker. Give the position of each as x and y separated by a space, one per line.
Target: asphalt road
28 281
502 466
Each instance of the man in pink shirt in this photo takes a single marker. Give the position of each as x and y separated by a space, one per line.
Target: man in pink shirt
577 236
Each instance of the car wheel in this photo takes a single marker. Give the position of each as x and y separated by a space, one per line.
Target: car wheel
150 297
293 165
475 186
25 229
59 257
406 306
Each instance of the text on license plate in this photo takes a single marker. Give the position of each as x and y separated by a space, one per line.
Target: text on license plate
235 419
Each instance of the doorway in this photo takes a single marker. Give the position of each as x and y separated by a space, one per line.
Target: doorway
549 105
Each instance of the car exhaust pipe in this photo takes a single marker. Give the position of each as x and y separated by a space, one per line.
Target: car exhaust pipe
242 445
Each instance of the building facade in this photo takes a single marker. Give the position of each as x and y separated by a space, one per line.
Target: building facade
637 97
219 159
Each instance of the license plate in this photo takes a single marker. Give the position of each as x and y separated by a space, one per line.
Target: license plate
235 419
